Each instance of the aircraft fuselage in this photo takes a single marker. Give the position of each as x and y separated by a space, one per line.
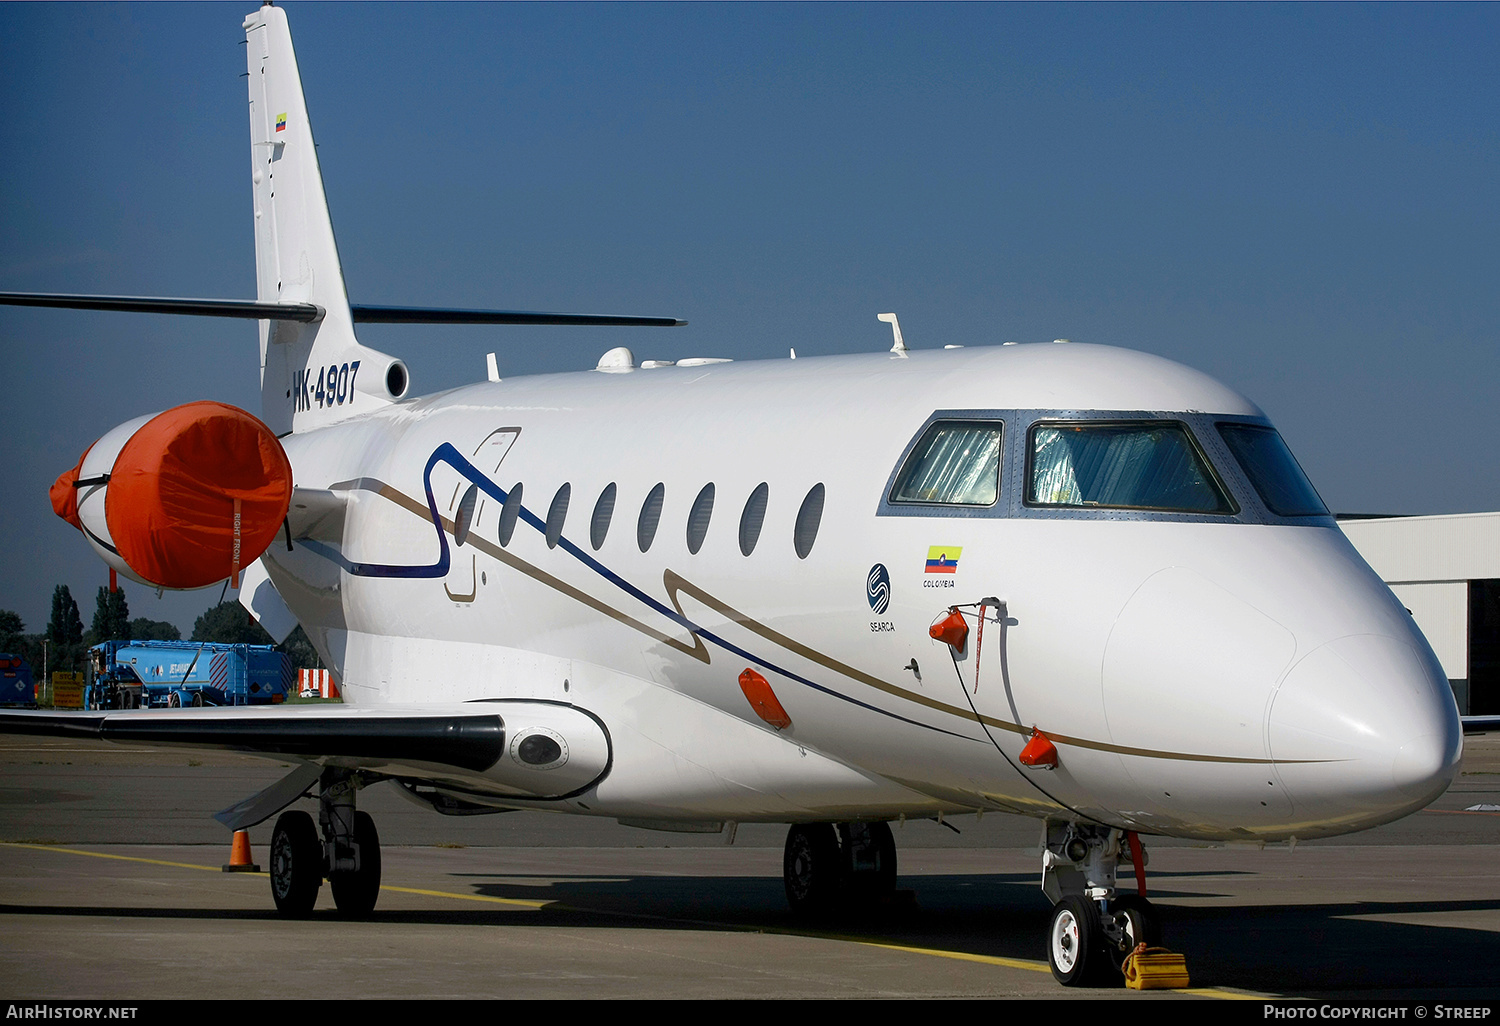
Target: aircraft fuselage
1230 673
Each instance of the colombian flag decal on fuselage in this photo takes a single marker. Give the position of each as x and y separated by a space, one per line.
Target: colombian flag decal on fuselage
943 559
281 122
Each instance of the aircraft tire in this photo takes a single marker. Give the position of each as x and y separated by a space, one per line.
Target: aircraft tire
1142 922
355 893
1074 949
881 832
296 864
812 868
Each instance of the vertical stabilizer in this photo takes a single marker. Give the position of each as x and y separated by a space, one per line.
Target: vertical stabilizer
311 374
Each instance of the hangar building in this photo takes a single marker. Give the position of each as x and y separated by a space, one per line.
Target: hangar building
1446 570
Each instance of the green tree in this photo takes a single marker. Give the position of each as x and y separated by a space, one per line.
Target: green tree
229 623
65 632
12 631
300 650
111 616
66 626
142 629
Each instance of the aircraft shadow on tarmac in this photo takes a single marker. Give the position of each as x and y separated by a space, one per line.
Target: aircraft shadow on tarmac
1335 949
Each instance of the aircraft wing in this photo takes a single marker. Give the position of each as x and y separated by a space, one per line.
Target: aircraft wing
522 751
471 740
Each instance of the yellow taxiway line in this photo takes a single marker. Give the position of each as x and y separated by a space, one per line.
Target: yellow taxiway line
961 956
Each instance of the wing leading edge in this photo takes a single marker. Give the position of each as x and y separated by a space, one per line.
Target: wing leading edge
470 741
523 751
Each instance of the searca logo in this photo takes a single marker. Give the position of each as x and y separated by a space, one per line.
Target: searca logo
878 588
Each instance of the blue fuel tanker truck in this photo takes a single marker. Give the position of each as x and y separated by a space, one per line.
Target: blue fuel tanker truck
168 674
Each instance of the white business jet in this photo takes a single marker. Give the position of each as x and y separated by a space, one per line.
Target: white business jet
1067 581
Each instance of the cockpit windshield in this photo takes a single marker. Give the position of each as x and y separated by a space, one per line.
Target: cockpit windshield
1273 470
955 463
1152 465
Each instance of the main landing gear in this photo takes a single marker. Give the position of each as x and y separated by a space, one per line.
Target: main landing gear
1093 926
347 855
832 864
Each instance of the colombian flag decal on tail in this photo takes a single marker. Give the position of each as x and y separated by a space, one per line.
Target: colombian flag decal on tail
943 559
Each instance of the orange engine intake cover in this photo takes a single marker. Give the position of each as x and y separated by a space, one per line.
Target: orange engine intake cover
64 492
180 483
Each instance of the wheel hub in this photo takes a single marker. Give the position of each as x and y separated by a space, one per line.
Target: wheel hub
1065 942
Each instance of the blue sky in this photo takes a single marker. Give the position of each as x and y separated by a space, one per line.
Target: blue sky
1300 200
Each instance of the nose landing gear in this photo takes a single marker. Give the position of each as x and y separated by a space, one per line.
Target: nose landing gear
348 855
1093 927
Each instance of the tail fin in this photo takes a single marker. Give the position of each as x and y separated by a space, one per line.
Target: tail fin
313 374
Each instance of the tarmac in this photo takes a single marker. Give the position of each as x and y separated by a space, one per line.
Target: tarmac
111 889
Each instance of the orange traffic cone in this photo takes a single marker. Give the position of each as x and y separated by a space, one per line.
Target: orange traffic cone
239 854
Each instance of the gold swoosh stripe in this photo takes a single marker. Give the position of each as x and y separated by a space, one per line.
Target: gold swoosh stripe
674 584
697 650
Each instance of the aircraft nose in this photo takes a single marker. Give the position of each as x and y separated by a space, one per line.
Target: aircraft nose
1364 730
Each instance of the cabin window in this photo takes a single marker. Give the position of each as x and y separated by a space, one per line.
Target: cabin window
753 518
698 517
1273 470
463 520
645 527
955 463
808 518
557 513
1152 465
604 509
508 514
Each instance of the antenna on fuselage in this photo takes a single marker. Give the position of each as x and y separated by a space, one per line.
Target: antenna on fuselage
899 344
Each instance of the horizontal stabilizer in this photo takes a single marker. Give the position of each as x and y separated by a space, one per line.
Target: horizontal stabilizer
1480 724
309 313
437 315
246 309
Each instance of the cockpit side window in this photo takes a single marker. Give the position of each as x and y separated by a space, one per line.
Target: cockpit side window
955 463
1151 465
1273 470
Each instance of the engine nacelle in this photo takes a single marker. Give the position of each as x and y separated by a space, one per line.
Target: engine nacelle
181 499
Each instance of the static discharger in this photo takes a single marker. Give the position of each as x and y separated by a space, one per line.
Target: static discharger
1040 752
763 700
